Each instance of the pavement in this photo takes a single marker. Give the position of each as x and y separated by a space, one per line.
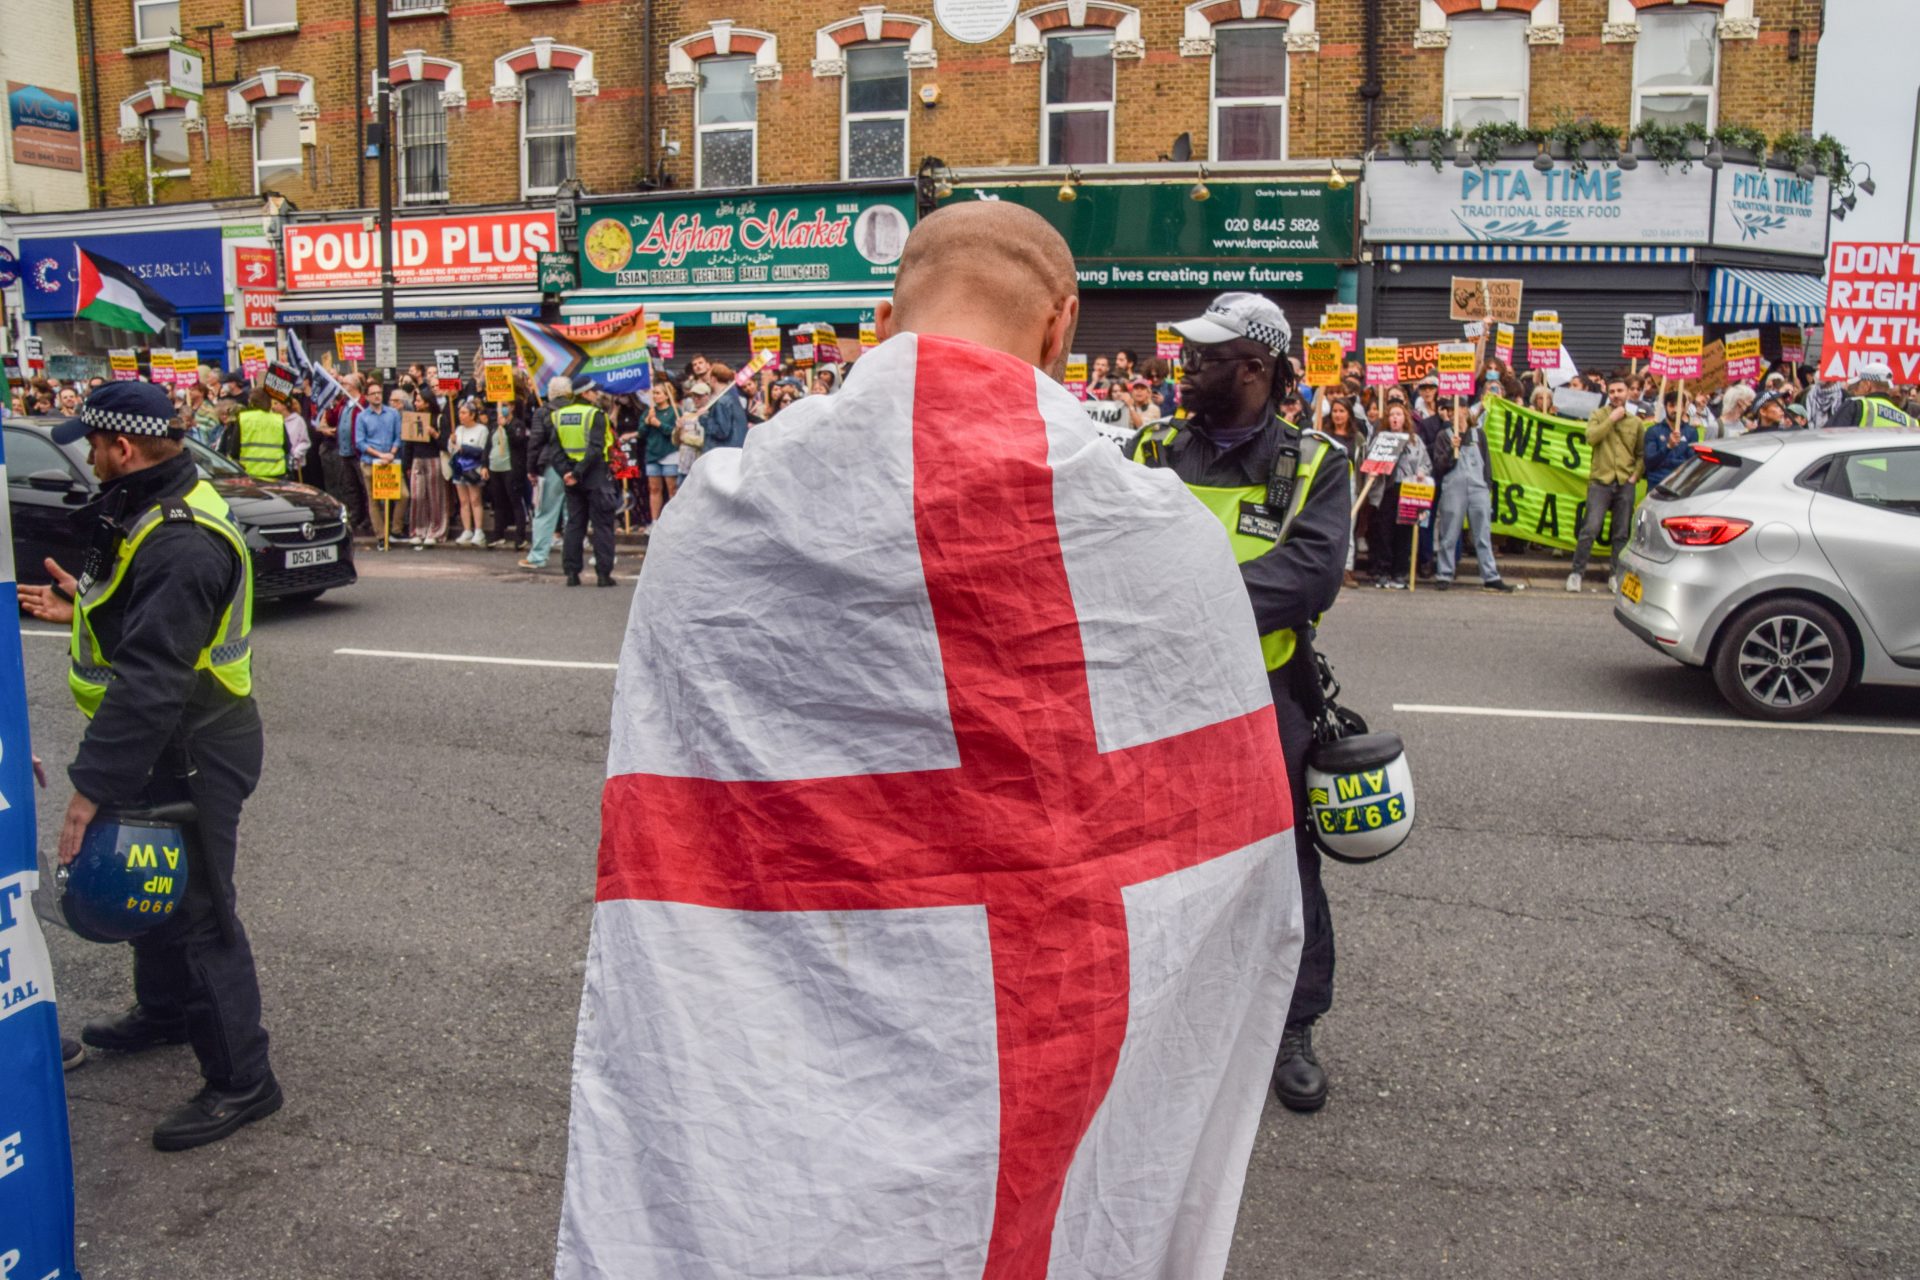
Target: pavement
1637 1000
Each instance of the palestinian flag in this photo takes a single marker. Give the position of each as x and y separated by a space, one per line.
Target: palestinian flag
112 295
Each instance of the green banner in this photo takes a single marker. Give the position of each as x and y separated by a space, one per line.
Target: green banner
1540 469
809 240
1266 234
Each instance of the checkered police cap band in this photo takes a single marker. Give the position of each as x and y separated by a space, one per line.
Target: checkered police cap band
1269 336
127 424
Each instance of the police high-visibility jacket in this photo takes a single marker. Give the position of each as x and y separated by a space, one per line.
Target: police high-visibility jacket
227 653
263 444
574 430
1291 579
1878 411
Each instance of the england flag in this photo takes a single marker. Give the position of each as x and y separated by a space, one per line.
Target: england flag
947 912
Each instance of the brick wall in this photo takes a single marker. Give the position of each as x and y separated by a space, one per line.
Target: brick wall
39 48
988 113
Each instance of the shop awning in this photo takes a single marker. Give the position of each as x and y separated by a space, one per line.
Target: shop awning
1627 253
725 309
408 304
1745 296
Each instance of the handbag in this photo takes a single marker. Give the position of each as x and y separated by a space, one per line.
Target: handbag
690 432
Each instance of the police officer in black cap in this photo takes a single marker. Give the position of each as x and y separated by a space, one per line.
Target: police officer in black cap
160 663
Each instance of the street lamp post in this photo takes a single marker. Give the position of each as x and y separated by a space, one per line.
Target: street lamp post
383 113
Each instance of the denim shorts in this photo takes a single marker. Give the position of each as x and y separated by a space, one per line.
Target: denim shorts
664 467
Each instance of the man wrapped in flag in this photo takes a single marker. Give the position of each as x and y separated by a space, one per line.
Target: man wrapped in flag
947 908
113 295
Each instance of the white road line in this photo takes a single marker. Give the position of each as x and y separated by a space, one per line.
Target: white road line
64 635
480 658
1712 722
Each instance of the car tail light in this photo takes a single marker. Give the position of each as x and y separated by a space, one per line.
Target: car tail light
1704 531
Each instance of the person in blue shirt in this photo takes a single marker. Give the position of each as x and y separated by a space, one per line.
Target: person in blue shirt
1667 446
376 437
725 419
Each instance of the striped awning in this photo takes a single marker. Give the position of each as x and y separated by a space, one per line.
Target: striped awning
1638 253
1745 296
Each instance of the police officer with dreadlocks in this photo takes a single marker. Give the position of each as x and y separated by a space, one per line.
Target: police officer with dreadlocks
161 666
1283 495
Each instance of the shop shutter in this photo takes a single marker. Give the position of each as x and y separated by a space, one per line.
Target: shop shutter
1115 318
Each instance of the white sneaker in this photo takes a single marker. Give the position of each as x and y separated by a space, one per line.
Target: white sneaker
1573 583
479 540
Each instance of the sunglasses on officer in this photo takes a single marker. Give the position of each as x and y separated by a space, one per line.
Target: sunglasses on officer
1195 359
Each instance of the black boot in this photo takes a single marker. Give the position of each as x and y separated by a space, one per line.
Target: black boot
573 579
1297 1076
604 580
134 1031
214 1113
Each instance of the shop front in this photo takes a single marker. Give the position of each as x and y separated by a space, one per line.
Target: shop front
1152 249
1594 245
185 264
455 273
713 265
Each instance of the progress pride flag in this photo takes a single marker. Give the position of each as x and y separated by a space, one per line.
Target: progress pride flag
1873 310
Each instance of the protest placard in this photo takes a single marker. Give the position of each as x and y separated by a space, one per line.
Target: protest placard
1680 340
1166 343
279 381
1743 355
1793 344
350 342
1416 499
1383 362
1456 369
803 345
1323 361
496 344
1474 298
1636 336
253 361
1543 342
1383 452
415 427
765 339
665 349
1873 311
186 368
1074 377
1418 359
826 344
446 371
160 366
1342 323
499 382
1503 344
125 363
388 484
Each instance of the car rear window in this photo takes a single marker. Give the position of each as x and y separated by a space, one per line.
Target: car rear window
1696 476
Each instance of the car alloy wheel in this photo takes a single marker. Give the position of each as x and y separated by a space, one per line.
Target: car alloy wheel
1784 659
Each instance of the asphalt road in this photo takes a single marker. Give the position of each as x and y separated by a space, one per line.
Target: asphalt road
1637 1001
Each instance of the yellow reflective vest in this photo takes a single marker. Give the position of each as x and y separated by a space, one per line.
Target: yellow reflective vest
263 444
1252 529
571 427
229 655
1878 411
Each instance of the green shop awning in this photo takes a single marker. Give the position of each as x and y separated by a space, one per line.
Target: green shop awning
712 310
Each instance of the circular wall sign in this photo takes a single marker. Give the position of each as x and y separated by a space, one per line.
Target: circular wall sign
974 21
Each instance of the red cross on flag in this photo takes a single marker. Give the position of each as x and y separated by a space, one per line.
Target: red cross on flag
947 910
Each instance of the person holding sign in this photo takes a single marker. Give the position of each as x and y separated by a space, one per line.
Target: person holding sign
1464 464
1283 495
162 671
1618 437
1670 443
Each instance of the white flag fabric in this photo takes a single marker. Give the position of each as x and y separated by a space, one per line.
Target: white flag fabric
947 910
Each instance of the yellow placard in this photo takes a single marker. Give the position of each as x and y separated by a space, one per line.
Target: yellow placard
1686 344
1413 490
653 329
766 338
1340 319
869 335
1075 374
252 351
1323 362
186 367
1451 361
125 363
1543 336
1743 346
1379 352
350 343
388 484
500 382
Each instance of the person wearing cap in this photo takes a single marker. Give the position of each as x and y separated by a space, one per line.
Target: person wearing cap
1771 410
1868 403
1283 495
161 666
583 442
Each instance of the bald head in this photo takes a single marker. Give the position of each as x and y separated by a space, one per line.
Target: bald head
990 271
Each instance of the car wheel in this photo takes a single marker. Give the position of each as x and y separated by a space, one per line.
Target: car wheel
1785 659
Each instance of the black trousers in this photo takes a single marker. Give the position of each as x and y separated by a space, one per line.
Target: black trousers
198 966
589 503
503 491
1313 989
1389 543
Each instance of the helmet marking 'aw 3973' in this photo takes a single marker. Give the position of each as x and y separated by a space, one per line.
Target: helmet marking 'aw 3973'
1360 796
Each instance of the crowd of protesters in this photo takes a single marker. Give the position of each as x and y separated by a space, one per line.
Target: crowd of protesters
481 474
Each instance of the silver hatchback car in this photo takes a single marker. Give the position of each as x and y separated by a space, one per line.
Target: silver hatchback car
1786 562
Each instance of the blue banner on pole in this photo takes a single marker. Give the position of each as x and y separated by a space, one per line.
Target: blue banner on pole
36 1158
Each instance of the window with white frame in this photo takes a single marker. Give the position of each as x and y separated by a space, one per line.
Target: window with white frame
727 135
1077 101
546 132
168 153
276 146
422 130
1676 66
155 21
1487 63
272 13
1249 91
877 94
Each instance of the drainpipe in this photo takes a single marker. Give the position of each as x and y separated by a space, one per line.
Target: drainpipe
359 112
646 94
1370 90
98 194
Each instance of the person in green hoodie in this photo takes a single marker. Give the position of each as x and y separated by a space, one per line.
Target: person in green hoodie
1618 437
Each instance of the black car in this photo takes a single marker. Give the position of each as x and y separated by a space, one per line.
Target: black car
298 535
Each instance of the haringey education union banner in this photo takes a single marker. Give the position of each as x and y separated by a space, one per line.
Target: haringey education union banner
1540 470
609 355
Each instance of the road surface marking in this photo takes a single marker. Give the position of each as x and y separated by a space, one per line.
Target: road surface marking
1711 722
475 657
64 635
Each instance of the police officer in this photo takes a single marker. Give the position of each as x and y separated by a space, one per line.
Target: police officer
258 441
161 667
583 446
1869 405
1283 495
